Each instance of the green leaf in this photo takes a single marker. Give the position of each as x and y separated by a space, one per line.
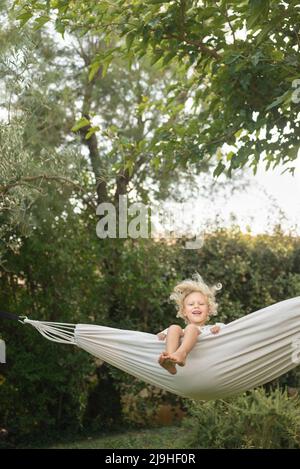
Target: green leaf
264 32
83 122
158 1
92 131
24 17
259 10
94 69
105 66
231 58
60 27
129 39
155 162
293 152
278 100
129 165
61 5
169 56
219 169
39 22
156 57
230 155
238 133
256 58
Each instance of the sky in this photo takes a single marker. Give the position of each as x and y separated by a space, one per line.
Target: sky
267 188
268 199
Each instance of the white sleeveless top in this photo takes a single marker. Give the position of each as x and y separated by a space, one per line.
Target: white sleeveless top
205 330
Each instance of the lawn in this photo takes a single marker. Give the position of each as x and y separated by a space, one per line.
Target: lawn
156 438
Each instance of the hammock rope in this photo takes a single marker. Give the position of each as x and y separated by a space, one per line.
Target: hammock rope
60 332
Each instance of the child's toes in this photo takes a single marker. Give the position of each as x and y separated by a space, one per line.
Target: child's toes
163 356
167 364
161 359
170 367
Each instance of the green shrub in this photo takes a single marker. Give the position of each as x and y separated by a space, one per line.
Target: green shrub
252 420
47 387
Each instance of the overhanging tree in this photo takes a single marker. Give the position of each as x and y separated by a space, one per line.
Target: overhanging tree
49 85
241 60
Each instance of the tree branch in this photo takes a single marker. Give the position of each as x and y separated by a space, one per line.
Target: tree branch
6 188
92 142
230 25
96 163
206 50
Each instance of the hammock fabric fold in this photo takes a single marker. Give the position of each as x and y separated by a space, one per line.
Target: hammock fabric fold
247 352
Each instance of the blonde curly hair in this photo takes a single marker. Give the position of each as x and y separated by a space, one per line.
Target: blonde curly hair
196 284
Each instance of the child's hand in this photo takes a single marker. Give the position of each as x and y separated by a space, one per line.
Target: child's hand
215 329
161 336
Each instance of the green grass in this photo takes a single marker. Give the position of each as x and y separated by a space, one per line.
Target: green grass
155 438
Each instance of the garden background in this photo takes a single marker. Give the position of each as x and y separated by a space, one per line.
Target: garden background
161 101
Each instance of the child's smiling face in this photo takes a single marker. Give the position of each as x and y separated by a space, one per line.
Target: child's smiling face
196 308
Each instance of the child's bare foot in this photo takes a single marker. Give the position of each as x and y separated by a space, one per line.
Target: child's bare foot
178 358
166 363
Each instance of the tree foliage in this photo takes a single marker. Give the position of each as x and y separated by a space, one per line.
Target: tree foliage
239 62
93 135
59 274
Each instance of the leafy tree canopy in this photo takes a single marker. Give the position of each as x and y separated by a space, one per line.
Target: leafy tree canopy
240 62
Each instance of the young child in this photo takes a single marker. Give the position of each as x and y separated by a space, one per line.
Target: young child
196 303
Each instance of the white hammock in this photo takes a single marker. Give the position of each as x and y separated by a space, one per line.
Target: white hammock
247 352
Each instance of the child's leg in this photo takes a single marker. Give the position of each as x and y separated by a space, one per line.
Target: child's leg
191 333
175 332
